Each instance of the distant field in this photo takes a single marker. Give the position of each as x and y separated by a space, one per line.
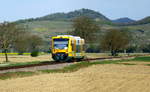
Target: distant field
143 27
2 54
48 28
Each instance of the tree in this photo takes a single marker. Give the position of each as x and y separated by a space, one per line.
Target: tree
22 43
9 33
85 27
35 42
115 40
93 48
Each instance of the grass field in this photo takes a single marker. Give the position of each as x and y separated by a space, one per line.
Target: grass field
25 58
14 58
109 76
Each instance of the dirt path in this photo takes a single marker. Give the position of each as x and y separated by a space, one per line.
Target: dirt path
97 78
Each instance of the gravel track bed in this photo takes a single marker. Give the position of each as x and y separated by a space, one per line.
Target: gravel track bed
54 66
44 67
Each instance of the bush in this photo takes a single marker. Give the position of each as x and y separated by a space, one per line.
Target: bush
131 49
93 50
20 53
34 53
146 48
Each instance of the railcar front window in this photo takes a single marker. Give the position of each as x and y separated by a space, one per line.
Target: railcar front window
61 43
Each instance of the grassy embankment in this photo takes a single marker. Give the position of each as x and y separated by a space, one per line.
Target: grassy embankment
71 68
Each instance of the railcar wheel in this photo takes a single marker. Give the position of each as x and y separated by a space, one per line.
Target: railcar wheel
57 61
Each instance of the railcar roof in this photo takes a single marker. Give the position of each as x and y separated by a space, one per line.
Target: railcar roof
75 37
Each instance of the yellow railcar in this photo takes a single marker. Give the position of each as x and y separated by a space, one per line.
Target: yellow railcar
67 48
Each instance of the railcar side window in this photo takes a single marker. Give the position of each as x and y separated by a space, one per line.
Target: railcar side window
78 46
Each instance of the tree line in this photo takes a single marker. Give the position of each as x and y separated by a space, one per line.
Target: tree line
113 40
13 36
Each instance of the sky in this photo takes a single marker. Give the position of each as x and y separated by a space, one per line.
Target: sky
12 10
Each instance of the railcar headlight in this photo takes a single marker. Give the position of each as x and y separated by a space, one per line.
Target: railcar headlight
65 48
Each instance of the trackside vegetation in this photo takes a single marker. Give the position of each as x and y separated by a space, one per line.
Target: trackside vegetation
70 68
22 63
145 59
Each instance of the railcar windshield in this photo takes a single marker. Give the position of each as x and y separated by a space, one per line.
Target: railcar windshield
61 43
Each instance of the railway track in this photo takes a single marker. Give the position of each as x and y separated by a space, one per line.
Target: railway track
49 65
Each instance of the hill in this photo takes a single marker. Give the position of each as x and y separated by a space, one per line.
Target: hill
100 18
123 20
73 14
69 16
143 21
